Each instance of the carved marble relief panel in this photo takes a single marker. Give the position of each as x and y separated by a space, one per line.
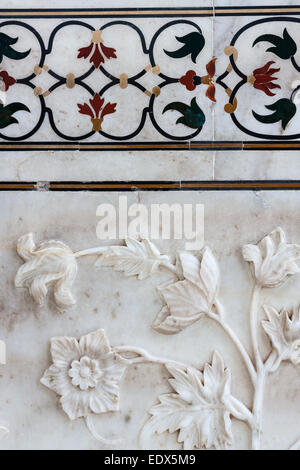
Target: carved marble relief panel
150 345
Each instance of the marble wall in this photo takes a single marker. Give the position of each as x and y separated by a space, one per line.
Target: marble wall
142 343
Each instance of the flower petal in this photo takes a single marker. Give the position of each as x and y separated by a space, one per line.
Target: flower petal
62 292
57 380
26 246
109 108
97 104
109 52
85 51
75 404
64 350
97 58
85 109
95 345
104 399
211 68
210 92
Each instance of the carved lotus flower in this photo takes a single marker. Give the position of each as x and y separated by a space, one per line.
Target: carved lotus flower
51 264
272 259
283 330
86 373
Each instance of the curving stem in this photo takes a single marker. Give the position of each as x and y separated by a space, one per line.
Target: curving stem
253 326
92 251
102 440
261 368
219 318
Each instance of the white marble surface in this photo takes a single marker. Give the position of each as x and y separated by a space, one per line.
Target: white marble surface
107 166
106 299
252 165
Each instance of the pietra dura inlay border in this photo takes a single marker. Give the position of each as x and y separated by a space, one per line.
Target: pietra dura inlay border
186 82
65 186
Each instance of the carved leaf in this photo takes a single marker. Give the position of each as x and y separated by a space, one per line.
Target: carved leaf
189 299
200 408
138 258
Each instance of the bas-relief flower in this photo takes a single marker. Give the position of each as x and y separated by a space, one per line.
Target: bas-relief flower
283 330
50 265
193 296
272 260
86 373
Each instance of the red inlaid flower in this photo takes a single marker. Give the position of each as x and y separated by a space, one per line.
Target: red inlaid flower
93 110
262 78
190 80
100 52
7 80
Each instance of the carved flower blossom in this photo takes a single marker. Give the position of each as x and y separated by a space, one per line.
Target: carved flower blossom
272 260
94 111
200 408
96 44
192 297
191 80
283 329
6 80
262 78
86 373
51 264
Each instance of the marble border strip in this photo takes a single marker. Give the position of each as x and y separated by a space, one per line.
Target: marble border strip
263 185
209 145
148 12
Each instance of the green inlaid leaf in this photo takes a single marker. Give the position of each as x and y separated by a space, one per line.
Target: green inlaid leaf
193 44
192 116
284 47
6 50
284 110
6 113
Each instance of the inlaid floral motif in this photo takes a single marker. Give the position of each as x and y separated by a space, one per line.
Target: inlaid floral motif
100 51
93 110
273 60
